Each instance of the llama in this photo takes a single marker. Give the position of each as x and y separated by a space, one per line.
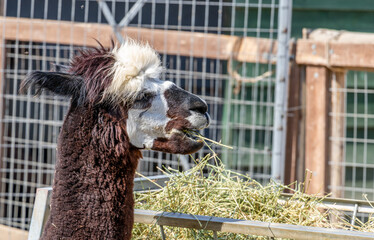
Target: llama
118 107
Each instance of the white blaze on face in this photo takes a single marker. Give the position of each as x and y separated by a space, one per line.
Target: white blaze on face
145 125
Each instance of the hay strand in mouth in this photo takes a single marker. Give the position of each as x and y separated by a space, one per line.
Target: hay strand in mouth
205 139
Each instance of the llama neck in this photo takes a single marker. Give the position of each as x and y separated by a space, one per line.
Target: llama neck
93 187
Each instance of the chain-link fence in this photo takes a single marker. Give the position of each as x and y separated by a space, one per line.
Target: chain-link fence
30 127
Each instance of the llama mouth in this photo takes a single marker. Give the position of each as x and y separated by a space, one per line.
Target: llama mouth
191 134
179 141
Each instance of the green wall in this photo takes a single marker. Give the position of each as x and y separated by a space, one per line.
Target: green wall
350 15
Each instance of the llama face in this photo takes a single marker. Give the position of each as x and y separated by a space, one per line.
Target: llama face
158 112
160 116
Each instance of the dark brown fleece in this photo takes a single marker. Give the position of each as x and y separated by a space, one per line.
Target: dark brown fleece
94 65
92 193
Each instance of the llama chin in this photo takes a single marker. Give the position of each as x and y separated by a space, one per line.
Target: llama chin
119 106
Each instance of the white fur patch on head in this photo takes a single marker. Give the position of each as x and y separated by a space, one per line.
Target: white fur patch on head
134 64
145 125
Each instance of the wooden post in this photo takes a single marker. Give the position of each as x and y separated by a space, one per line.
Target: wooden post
316 135
337 132
300 172
10 233
293 120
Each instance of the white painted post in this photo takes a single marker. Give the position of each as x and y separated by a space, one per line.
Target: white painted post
281 91
40 213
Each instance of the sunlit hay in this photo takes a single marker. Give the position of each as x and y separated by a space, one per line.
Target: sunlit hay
367 226
212 190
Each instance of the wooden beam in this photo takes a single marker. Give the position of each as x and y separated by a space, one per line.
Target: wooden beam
9 233
316 141
337 49
337 134
356 56
261 50
311 52
171 42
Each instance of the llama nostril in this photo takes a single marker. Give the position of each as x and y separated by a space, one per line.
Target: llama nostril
207 119
199 106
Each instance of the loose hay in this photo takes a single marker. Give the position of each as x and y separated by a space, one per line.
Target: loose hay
211 190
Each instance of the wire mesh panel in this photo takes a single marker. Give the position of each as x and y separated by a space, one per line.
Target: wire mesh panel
240 94
30 127
357 136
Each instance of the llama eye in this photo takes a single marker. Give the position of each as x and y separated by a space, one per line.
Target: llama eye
143 101
145 97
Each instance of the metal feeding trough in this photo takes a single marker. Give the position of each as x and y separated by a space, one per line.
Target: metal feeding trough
215 224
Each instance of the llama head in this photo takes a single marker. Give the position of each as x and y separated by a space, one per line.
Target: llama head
158 113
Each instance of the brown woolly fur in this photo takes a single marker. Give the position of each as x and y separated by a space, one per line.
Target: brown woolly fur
94 177
95 66
117 107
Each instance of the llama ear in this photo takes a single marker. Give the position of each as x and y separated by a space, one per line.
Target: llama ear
60 83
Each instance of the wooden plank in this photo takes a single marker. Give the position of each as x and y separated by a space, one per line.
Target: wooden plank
293 120
187 43
337 132
316 143
51 31
9 233
336 55
348 55
165 41
276 230
262 50
337 49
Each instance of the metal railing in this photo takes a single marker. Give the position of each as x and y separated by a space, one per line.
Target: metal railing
217 224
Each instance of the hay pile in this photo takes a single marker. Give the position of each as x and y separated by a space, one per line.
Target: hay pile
211 190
